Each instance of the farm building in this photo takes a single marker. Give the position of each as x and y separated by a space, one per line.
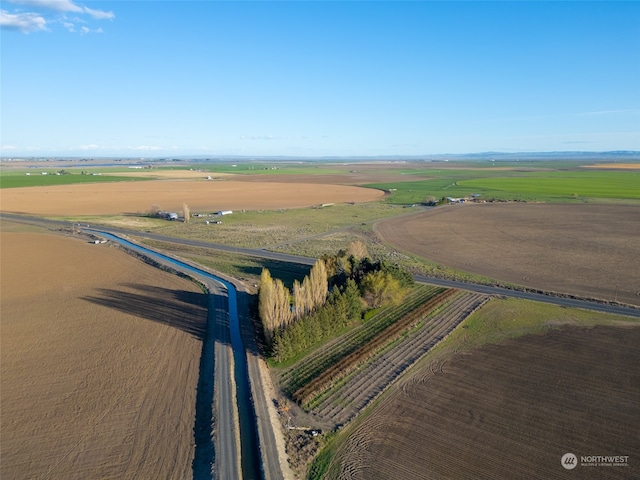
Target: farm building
224 212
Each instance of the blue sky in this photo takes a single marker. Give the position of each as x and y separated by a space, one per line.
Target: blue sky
169 78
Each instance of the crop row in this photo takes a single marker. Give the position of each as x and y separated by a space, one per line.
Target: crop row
378 373
310 367
357 357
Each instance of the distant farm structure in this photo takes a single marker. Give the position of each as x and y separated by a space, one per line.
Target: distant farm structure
155 211
471 198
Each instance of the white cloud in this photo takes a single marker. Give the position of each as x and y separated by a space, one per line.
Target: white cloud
66 6
24 22
145 147
57 5
99 14
27 22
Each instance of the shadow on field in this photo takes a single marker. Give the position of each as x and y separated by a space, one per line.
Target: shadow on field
180 309
285 271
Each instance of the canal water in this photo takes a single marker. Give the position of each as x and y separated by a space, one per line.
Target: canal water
249 444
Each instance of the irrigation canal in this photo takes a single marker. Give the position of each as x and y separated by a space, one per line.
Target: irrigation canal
223 327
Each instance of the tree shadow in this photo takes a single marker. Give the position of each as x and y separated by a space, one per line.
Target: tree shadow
186 311
285 271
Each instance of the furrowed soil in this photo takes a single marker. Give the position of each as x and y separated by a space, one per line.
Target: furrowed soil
584 250
170 195
510 410
99 362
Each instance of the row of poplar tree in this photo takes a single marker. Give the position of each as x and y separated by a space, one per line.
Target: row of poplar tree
333 295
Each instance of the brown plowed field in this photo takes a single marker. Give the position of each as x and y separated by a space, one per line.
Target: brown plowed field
170 195
99 362
511 411
585 250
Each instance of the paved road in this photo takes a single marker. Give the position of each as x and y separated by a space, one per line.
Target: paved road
227 436
490 290
535 296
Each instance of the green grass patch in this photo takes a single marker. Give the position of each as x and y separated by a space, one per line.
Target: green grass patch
272 228
242 267
502 319
36 179
563 186
536 185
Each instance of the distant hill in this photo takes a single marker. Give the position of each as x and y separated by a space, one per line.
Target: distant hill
616 155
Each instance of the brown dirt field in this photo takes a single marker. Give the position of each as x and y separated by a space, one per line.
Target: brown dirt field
615 166
358 178
585 250
171 174
511 411
99 362
209 196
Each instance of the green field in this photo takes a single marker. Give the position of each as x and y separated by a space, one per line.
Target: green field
37 179
540 186
559 186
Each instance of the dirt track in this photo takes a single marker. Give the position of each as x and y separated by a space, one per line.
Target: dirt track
510 411
585 250
99 362
170 195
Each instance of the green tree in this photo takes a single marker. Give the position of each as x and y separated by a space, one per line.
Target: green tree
379 288
352 296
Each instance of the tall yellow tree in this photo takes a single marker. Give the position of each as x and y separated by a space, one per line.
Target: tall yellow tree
283 313
273 304
358 250
299 300
186 212
266 303
318 283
